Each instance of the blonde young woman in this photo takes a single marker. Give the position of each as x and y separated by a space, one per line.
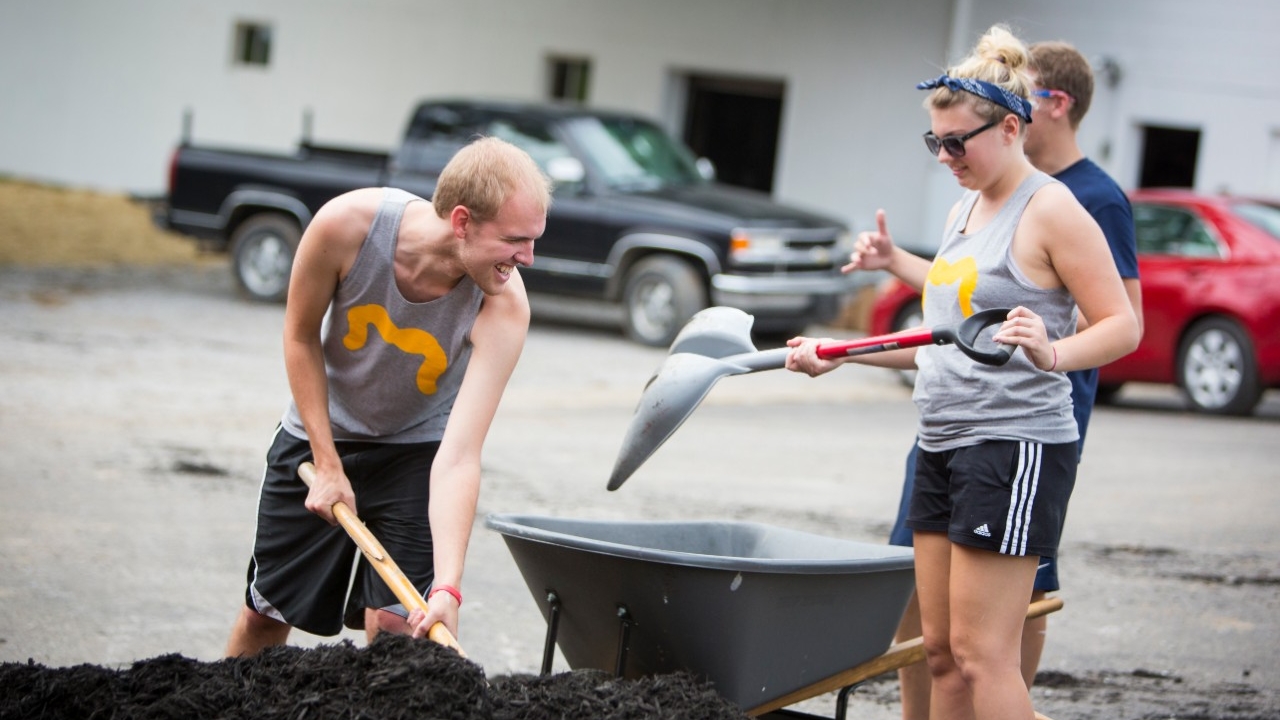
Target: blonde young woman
998 449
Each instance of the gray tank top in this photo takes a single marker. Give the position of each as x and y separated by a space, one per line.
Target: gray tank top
961 401
394 366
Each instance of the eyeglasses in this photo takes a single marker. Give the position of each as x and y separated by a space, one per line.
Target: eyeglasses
1052 93
953 144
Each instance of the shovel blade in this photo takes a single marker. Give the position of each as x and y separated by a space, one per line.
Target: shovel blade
673 393
715 332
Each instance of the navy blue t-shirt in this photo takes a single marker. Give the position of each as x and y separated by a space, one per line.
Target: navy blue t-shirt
1109 206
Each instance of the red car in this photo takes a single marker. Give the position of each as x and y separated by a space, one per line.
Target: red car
1210 273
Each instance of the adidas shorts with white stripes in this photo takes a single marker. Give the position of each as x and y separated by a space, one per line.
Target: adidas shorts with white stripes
1007 496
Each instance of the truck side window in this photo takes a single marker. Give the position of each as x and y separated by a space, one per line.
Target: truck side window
535 139
435 134
632 154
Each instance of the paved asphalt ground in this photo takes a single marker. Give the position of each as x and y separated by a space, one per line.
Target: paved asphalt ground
136 405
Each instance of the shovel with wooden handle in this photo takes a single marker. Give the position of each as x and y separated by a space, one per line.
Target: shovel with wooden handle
391 573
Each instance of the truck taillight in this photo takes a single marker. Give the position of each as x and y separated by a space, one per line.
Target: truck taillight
173 171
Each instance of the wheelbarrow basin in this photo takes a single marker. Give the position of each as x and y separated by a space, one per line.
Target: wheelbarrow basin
757 610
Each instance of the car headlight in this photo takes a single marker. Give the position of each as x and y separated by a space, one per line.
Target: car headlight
755 247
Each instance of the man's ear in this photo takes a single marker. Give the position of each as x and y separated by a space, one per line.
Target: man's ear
1060 106
460 218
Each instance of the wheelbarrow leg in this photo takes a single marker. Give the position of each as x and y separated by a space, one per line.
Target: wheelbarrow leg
624 639
842 700
842 709
553 627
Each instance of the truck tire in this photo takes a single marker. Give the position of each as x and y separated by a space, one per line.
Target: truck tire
662 292
1217 368
262 250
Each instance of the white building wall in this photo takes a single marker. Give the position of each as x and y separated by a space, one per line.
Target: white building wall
1185 63
94 91
103 87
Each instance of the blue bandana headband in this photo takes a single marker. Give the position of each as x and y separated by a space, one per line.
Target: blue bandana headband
1017 105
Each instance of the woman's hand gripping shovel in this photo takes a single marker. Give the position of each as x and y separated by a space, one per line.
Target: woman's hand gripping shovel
391 573
717 342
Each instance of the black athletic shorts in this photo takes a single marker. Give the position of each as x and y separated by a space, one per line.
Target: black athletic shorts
901 535
301 569
1007 496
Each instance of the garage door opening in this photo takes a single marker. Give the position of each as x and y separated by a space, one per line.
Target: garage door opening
734 123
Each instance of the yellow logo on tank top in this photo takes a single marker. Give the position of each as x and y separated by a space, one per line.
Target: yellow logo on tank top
964 274
413 341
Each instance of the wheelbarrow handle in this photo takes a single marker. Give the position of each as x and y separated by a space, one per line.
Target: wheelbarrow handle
377 556
963 335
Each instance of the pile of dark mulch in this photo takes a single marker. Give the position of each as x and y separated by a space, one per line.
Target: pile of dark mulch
597 694
394 678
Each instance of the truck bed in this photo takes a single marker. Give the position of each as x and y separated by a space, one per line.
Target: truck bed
206 179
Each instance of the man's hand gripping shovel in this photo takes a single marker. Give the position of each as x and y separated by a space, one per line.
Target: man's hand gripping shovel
391 573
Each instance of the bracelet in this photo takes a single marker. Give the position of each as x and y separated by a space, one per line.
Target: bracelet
455 592
1051 367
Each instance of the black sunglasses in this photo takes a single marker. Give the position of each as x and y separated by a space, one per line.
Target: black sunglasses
953 144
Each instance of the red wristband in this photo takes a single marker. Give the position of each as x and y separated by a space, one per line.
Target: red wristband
455 592
1051 367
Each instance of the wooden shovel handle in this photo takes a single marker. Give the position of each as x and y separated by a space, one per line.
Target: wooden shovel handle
900 655
377 556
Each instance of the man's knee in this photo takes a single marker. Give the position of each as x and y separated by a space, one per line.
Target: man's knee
254 632
257 623
377 620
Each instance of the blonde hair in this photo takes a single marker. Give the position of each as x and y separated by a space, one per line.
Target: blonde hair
482 175
1000 58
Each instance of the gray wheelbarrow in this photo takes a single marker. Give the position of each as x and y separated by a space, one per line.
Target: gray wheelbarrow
717 343
770 616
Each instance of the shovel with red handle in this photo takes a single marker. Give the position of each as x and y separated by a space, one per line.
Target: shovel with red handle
701 355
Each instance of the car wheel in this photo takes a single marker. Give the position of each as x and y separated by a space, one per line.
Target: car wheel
1106 394
1217 368
661 294
262 255
909 316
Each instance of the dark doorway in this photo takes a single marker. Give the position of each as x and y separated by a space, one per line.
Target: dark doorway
1169 157
734 123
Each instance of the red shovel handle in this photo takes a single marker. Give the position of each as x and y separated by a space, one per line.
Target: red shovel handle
963 335
876 343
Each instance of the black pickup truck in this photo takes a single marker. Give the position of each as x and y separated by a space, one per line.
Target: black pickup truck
636 219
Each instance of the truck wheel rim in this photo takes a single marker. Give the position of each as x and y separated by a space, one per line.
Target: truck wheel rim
266 266
653 311
1212 371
